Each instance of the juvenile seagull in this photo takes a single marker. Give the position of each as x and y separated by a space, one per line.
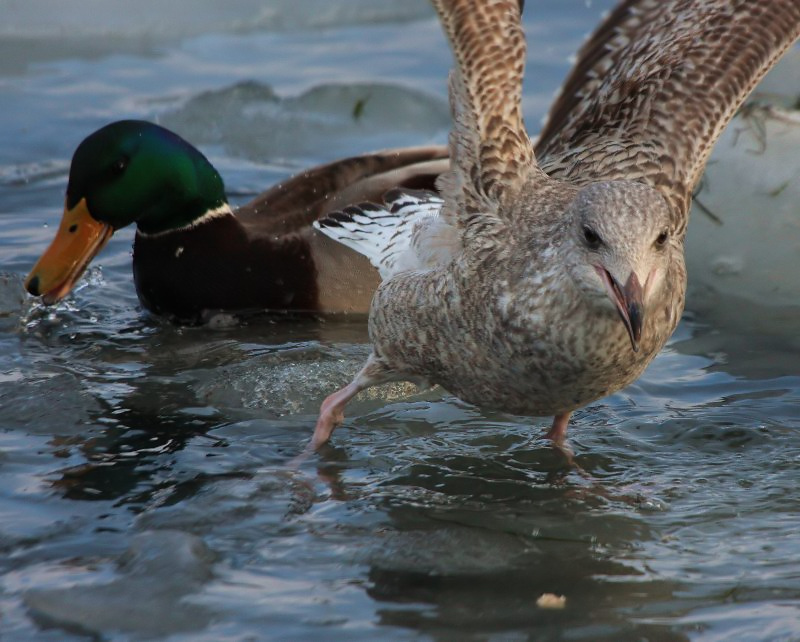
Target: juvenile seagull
539 287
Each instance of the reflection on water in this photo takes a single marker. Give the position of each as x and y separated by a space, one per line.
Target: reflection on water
147 488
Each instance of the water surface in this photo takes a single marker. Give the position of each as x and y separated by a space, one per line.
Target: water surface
144 481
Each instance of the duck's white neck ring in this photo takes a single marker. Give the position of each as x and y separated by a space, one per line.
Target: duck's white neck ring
217 212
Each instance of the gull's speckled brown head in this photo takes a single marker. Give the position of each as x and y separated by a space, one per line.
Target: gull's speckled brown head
618 248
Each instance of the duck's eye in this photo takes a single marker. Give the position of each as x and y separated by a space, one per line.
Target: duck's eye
661 239
119 165
591 237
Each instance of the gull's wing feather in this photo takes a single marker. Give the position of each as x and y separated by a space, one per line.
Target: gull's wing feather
490 150
654 87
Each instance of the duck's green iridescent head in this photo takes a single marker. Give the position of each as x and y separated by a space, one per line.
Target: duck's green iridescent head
133 171
127 172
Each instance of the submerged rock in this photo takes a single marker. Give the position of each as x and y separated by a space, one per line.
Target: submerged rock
158 570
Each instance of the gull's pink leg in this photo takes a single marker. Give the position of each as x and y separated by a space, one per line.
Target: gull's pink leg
331 413
558 433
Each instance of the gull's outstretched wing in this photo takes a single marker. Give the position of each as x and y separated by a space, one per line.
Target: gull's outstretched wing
490 150
654 87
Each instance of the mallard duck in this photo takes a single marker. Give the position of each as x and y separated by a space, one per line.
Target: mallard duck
193 255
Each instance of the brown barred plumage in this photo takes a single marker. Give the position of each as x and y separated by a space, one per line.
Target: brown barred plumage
654 87
558 287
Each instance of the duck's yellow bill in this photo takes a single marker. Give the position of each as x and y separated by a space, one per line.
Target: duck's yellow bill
77 242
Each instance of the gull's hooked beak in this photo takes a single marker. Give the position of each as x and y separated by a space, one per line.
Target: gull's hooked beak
629 300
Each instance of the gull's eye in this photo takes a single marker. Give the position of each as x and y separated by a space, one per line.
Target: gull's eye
661 239
591 237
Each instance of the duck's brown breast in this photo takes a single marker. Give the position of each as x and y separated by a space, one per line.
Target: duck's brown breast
213 267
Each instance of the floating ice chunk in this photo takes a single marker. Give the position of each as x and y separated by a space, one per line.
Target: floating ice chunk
744 234
328 121
743 244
